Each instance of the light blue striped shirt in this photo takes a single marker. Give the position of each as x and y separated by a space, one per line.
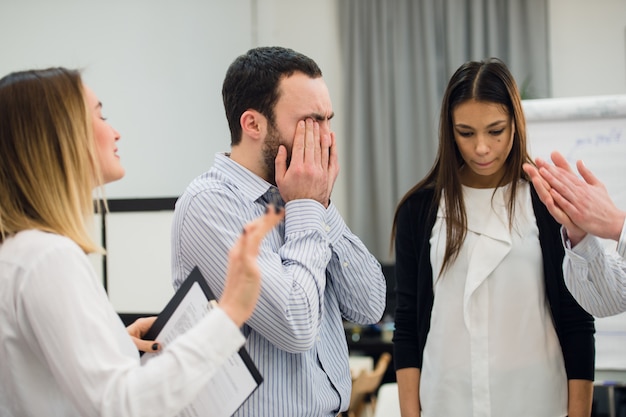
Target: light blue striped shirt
314 273
596 277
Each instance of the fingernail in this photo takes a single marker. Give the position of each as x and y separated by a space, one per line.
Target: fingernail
267 209
155 346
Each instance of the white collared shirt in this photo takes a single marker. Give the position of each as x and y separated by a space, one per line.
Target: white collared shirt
492 349
65 352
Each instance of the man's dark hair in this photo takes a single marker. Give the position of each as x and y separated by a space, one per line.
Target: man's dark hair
252 80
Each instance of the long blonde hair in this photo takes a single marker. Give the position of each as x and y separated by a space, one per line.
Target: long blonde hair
48 163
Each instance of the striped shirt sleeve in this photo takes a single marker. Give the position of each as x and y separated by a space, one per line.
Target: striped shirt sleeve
595 276
361 300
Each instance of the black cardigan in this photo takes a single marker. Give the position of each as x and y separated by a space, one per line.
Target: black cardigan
414 290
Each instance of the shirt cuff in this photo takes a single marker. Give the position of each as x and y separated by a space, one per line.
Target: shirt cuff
304 215
230 336
335 225
567 244
587 249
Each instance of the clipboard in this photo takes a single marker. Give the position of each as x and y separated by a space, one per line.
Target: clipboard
235 381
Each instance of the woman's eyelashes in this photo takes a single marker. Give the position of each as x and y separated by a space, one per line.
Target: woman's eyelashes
468 134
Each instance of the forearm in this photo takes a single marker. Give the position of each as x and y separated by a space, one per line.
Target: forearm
580 397
408 391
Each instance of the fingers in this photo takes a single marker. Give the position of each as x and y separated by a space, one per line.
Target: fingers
541 185
280 163
255 231
586 173
326 146
550 189
307 175
560 178
545 192
540 162
333 162
302 150
138 329
297 150
146 345
313 147
531 170
141 326
306 145
560 161
555 206
146 324
309 141
297 156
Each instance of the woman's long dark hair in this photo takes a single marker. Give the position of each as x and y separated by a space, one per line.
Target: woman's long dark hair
486 81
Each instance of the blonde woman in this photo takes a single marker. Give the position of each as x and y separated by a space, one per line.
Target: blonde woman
63 349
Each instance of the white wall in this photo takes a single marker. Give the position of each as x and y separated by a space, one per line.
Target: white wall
587 47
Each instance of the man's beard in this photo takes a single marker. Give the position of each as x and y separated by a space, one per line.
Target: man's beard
270 150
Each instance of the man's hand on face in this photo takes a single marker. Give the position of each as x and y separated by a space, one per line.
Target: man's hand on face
313 168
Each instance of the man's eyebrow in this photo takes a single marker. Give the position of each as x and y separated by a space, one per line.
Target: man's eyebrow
320 117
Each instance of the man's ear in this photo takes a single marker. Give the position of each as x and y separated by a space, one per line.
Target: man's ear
253 124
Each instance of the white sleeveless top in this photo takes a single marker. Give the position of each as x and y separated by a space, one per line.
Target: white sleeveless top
492 349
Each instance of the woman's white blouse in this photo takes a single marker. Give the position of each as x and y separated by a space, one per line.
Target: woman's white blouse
492 349
65 352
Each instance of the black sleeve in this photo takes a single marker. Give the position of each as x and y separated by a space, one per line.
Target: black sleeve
577 337
574 326
414 293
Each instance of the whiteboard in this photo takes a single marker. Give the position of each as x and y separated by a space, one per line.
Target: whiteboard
592 129
139 260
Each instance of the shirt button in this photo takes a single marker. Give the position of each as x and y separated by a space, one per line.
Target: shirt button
327 228
345 264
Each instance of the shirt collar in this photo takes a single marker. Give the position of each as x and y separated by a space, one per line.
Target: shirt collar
250 184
